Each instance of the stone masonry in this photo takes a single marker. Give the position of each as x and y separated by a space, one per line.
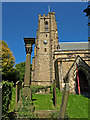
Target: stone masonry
48 50
64 60
46 43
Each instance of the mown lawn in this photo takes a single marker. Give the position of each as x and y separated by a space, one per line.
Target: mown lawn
77 104
45 102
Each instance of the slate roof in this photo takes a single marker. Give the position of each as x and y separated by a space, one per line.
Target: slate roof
74 46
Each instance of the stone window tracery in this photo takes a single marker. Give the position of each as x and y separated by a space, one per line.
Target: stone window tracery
45 50
46 26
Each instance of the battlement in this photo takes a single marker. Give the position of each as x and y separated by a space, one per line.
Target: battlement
52 13
46 16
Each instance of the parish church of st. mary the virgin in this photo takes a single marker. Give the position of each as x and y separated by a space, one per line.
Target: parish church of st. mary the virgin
63 62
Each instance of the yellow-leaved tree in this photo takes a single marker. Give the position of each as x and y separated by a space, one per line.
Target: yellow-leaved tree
8 60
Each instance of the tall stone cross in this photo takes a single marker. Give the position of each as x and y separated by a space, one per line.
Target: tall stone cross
28 46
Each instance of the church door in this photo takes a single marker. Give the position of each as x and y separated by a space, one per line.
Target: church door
83 83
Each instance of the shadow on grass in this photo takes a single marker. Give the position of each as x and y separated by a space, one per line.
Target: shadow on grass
34 99
87 95
53 101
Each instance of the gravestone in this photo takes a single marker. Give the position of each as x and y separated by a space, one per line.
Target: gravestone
64 101
54 93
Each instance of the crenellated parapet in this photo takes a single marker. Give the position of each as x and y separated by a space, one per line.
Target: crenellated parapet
46 42
43 16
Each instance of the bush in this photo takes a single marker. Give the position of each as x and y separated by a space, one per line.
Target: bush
6 96
51 90
26 109
57 90
36 88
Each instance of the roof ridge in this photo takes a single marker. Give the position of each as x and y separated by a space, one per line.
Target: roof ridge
72 42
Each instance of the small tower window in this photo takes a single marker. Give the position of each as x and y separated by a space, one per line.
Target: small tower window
45 50
46 26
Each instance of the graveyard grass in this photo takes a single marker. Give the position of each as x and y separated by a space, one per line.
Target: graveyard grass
77 104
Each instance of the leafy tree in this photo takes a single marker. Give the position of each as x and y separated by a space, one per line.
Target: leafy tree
8 60
13 76
9 72
21 68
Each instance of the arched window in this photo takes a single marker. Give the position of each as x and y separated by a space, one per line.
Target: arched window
45 50
46 26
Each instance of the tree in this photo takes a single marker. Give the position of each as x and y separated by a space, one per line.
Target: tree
21 68
8 60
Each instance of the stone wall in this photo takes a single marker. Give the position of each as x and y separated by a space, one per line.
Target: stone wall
65 60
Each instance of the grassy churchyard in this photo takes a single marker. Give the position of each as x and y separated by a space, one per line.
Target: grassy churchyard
77 104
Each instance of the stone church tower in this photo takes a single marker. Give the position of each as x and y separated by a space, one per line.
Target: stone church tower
45 44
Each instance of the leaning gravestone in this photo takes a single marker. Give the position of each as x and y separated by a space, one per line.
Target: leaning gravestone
54 93
64 101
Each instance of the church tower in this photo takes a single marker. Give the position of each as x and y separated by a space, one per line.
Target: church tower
45 44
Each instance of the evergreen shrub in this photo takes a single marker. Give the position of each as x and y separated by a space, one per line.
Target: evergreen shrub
6 96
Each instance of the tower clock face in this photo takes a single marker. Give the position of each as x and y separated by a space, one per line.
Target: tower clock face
45 41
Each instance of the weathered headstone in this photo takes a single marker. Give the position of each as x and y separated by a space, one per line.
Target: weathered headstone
64 101
18 95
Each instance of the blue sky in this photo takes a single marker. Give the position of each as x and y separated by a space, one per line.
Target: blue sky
20 19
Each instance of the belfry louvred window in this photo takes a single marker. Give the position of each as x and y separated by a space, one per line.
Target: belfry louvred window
46 26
